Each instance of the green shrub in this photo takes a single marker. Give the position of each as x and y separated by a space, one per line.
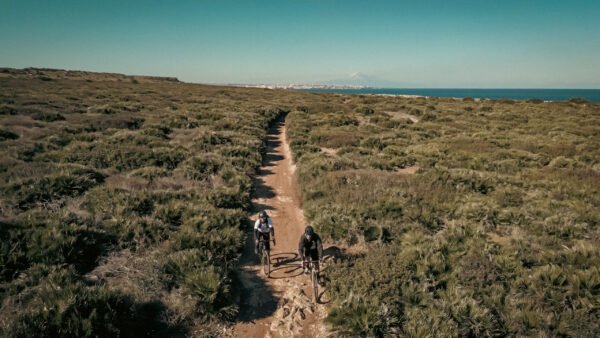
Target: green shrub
158 131
168 157
47 117
150 173
69 182
365 110
231 198
359 318
50 239
578 100
208 287
429 117
182 121
65 307
7 135
202 168
29 152
115 122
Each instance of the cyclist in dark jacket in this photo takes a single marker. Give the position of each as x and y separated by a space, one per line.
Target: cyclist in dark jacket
310 247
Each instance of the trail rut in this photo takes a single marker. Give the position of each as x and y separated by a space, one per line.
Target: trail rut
278 305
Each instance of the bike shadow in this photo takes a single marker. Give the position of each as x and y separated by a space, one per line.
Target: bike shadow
331 256
285 265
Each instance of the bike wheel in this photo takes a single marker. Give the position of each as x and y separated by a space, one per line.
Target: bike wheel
315 284
266 263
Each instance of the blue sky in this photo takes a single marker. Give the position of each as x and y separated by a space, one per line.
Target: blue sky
482 43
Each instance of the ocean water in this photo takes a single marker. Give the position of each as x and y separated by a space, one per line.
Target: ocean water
514 94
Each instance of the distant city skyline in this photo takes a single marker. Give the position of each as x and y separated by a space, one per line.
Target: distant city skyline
435 44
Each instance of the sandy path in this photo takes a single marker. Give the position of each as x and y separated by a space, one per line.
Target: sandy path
277 306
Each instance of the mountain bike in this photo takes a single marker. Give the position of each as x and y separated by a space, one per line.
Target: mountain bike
265 256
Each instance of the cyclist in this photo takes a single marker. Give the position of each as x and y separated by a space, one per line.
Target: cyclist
310 247
263 228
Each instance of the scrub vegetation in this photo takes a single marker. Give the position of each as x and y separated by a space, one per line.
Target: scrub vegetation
477 218
124 200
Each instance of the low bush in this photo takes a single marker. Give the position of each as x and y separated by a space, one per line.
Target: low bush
7 135
47 238
365 110
82 311
47 117
207 285
68 182
485 239
116 122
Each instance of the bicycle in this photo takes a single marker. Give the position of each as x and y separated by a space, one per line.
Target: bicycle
265 256
314 278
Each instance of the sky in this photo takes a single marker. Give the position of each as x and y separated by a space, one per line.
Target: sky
428 43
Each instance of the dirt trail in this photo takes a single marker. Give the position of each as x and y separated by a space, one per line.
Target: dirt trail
280 305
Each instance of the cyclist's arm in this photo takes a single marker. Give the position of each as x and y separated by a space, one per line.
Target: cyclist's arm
320 248
256 229
271 228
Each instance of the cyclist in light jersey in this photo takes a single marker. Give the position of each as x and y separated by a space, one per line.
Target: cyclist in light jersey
263 228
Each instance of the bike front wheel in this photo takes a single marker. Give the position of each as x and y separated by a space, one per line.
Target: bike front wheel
315 284
266 263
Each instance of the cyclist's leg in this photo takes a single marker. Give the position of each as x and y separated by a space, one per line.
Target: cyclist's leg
314 256
305 256
260 238
267 238
257 243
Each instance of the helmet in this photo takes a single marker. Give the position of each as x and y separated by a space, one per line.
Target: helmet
263 214
309 231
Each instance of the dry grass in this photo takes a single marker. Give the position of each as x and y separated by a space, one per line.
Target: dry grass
402 115
114 174
481 219
475 221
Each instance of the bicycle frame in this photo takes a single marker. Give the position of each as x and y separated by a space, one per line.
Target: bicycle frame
314 268
265 257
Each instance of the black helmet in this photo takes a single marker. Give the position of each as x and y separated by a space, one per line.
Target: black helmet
263 214
309 231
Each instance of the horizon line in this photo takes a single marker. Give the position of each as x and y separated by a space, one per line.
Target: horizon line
357 87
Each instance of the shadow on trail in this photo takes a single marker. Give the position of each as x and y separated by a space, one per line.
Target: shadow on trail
270 159
261 190
256 298
285 265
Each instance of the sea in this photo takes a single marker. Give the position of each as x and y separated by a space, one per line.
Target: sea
513 94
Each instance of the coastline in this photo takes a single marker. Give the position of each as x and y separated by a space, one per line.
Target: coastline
543 95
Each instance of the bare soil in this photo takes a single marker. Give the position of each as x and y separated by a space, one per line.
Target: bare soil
278 305
401 115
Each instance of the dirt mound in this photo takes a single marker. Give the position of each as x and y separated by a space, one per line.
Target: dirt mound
293 309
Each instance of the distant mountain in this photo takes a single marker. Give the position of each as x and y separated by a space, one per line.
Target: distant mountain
352 81
364 80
